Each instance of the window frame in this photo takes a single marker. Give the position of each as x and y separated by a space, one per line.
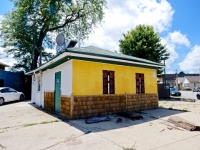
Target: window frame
108 82
140 83
38 84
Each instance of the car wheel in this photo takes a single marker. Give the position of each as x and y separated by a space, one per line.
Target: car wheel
1 101
198 97
21 97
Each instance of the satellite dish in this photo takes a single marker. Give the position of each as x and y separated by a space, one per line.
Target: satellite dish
60 39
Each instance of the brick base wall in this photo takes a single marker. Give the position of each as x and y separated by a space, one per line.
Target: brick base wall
49 101
88 106
65 106
77 107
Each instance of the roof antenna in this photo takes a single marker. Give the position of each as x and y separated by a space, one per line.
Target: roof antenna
79 34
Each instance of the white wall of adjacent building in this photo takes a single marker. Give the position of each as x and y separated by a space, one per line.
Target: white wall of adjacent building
186 83
47 81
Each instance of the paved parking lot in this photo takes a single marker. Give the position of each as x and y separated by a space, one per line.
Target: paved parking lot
188 94
24 126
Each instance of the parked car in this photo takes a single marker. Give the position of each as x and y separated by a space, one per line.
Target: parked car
198 95
8 94
196 89
174 92
187 88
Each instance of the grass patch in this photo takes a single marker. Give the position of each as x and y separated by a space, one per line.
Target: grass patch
170 108
2 131
30 124
2 146
185 110
44 122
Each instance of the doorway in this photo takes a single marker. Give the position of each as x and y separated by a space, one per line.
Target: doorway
57 92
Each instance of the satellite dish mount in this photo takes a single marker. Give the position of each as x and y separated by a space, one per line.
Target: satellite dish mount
60 40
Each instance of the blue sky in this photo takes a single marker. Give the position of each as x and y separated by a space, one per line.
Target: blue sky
177 21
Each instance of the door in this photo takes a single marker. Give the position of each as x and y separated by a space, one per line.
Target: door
57 91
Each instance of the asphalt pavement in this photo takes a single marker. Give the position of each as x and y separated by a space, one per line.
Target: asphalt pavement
188 94
24 126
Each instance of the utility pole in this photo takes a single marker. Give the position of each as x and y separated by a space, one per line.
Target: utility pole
164 81
176 79
79 35
33 51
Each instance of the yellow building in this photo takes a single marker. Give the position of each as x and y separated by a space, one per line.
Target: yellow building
94 73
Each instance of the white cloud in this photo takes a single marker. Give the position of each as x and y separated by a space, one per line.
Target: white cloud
177 38
191 62
122 16
172 40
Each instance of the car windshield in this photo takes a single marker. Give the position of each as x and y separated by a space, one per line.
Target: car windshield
172 89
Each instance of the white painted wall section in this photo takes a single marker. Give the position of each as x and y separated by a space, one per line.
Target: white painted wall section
48 80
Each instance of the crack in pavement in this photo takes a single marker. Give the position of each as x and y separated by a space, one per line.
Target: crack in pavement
62 142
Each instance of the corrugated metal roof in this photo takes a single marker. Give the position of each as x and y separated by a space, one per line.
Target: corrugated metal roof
92 50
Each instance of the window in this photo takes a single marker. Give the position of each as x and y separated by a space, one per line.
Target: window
38 83
140 83
108 82
5 90
12 90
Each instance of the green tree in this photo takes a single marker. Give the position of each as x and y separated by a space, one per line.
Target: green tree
32 24
144 42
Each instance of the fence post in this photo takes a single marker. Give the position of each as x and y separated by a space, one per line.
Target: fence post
71 106
126 102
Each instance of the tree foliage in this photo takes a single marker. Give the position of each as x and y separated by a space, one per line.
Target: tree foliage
144 42
33 24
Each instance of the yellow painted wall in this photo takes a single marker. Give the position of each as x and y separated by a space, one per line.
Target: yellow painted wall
87 78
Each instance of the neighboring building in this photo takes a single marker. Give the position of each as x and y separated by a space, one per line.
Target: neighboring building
3 65
84 82
171 78
191 81
180 83
12 79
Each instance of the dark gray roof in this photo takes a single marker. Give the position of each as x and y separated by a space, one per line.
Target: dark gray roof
173 76
193 79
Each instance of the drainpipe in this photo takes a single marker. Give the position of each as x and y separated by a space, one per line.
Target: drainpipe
41 92
164 81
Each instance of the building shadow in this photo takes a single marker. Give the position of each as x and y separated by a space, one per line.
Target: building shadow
148 117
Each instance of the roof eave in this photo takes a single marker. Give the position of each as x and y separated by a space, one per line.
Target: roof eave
65 54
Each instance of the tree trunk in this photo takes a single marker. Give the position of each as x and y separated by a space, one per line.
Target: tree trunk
37 50
34 61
